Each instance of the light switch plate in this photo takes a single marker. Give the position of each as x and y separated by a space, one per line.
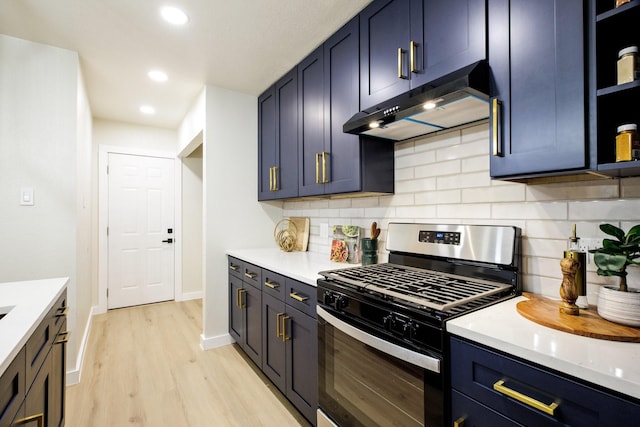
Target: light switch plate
26 196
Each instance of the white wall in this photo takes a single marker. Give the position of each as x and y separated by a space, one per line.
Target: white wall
445 178
118 134
233 218
192 238
44 133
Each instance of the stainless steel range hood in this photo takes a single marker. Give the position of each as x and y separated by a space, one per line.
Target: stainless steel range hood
456 99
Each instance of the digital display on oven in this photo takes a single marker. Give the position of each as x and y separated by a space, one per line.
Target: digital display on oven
441 237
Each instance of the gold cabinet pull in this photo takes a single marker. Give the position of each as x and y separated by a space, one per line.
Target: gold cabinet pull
297 297
62 311
317 168
412 56
285 338
530 401
459 422
271 179
239 299
39 418
324 167
275 178
250 275
400 75
63 337
278 320
272 285
495 125
234 267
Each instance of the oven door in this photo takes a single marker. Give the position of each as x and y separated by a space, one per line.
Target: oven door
366 380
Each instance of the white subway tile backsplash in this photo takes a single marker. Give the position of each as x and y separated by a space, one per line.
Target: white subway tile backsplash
604 189
550 210
606 210
445 178
436 197
466 211
503 193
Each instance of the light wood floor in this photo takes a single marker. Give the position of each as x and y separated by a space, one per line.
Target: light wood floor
144 367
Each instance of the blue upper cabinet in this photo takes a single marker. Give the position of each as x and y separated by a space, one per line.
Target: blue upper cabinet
385 37
539 112
278 140
331 161
407 43
454 36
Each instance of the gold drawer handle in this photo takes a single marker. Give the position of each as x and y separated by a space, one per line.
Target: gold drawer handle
239 299
400 74
234 267
278 328
530 401
272 285
459 422
62 311
39 418
297 297
63 337
412 56
251 275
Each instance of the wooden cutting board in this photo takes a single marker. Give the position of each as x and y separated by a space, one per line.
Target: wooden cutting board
301 225
545 311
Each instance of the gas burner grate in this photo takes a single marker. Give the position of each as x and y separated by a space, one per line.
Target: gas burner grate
433 289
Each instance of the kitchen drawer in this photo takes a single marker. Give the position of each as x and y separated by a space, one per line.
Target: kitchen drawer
252 274
12 389
273 284
301 296
468 412
475 371
235 267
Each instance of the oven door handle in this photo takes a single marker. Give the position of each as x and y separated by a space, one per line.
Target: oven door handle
418 359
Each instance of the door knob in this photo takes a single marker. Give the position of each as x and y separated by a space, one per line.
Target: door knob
168 241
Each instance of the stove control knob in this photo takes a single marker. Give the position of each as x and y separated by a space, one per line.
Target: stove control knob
389 322
341 302
408 330
329 298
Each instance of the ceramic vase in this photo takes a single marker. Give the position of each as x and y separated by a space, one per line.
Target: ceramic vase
619 307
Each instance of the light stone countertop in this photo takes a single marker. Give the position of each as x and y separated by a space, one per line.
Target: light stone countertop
301 266
30 301
611 364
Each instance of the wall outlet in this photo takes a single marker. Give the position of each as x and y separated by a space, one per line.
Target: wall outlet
586 244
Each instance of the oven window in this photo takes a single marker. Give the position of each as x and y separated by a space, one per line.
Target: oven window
359 385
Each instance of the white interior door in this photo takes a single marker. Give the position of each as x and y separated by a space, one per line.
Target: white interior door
140 230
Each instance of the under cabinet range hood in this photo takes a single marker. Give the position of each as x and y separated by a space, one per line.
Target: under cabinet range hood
456 99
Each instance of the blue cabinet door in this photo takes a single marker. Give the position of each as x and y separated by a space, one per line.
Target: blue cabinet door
310 134
448 35
385 33
278 140
341 90
301 335
266 143
538 115
273 346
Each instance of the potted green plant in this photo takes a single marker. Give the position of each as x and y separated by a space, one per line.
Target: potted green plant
621 305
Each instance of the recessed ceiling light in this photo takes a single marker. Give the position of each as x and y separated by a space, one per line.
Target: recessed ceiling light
173 15
147 109
157 75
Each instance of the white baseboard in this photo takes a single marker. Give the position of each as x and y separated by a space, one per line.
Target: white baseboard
73 375
217 341
190 295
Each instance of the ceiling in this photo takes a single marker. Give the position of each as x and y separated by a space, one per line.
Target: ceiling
242 45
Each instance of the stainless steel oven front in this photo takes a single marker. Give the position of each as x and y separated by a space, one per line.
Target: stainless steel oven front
367 379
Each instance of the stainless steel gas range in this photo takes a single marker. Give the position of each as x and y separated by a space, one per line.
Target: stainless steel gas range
382 348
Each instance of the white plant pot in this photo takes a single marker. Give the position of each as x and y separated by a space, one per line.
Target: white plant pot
619 307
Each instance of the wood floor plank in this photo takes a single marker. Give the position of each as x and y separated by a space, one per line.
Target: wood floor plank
144 367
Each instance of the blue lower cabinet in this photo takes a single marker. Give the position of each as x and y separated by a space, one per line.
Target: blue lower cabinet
494 389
